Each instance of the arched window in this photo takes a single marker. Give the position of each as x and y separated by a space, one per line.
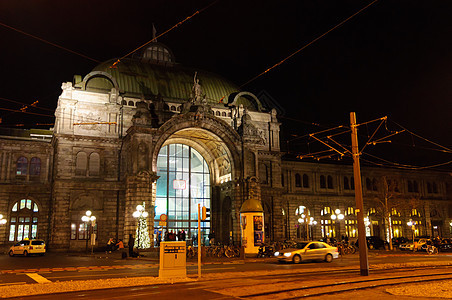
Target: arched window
322 182
435 188
131 103
81 164
173 108
374 185
23 220
123 102
410 186
223 114
346 184
94 164
415 187
326 211
218 113
330 182
35 166
305 181
22 166
297 180
184 182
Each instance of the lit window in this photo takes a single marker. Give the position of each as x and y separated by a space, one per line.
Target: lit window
22 166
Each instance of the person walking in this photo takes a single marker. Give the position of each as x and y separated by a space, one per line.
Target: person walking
110 245
131 244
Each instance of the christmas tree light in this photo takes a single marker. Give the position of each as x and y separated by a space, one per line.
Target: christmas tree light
142 240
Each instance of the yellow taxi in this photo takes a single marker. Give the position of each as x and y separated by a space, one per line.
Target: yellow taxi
27 247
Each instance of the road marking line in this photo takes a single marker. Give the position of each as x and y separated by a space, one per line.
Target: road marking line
38 278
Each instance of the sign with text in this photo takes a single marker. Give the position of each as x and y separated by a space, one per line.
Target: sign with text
179 184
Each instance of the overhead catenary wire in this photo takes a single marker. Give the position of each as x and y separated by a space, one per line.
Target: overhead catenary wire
163 33
49 43
308 44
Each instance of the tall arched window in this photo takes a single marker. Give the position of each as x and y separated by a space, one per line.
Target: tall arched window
22 166
23 220
94 164
322 182
184 183
305 181
346 184
330 182
297 180
35 166
81 164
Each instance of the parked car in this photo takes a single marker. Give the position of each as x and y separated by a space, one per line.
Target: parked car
373 242
445 246
416 246
308 251
27 247
396 241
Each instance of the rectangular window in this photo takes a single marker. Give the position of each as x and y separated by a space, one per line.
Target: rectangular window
351 228
12 232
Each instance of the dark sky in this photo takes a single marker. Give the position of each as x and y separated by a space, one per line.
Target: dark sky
393 59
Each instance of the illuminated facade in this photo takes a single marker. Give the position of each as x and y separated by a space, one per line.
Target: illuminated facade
150 130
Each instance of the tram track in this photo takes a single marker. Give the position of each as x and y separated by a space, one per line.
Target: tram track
329 288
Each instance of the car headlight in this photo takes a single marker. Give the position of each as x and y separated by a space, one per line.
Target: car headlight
287 254
277 253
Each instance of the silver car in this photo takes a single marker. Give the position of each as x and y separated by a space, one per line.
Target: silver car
308 251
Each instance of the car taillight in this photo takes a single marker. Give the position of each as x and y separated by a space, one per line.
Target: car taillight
336 249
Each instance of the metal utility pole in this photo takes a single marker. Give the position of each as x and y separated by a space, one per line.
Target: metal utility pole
363 259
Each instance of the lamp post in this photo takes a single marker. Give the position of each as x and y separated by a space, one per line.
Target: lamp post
307 220
337 216
2 221
140 214
87 218
413 226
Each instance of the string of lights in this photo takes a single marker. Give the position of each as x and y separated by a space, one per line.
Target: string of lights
49 43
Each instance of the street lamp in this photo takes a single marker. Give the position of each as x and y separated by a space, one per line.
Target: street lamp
337 215
412 224
88 217
307 220
2 221
141 215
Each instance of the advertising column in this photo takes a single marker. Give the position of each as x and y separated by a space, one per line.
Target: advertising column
252 226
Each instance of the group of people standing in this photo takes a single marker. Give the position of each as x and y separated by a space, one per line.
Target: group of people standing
173 236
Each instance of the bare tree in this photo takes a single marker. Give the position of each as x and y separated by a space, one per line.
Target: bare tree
388 198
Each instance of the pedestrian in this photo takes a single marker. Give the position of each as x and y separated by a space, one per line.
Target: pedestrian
183 235
120 245
212 238
131 244
166 236
159 238
110 244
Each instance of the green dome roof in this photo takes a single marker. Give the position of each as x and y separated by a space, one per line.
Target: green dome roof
136 77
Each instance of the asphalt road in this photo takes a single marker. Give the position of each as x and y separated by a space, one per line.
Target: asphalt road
63 266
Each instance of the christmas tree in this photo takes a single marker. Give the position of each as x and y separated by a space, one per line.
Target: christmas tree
142 240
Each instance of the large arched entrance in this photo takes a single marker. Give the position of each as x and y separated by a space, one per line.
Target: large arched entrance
196 160
184 182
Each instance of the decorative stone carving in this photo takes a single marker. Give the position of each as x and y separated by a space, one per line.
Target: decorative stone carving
248 130
143 116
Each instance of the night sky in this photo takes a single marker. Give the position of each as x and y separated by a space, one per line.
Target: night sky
393 59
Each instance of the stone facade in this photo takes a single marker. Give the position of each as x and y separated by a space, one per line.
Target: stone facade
102 156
